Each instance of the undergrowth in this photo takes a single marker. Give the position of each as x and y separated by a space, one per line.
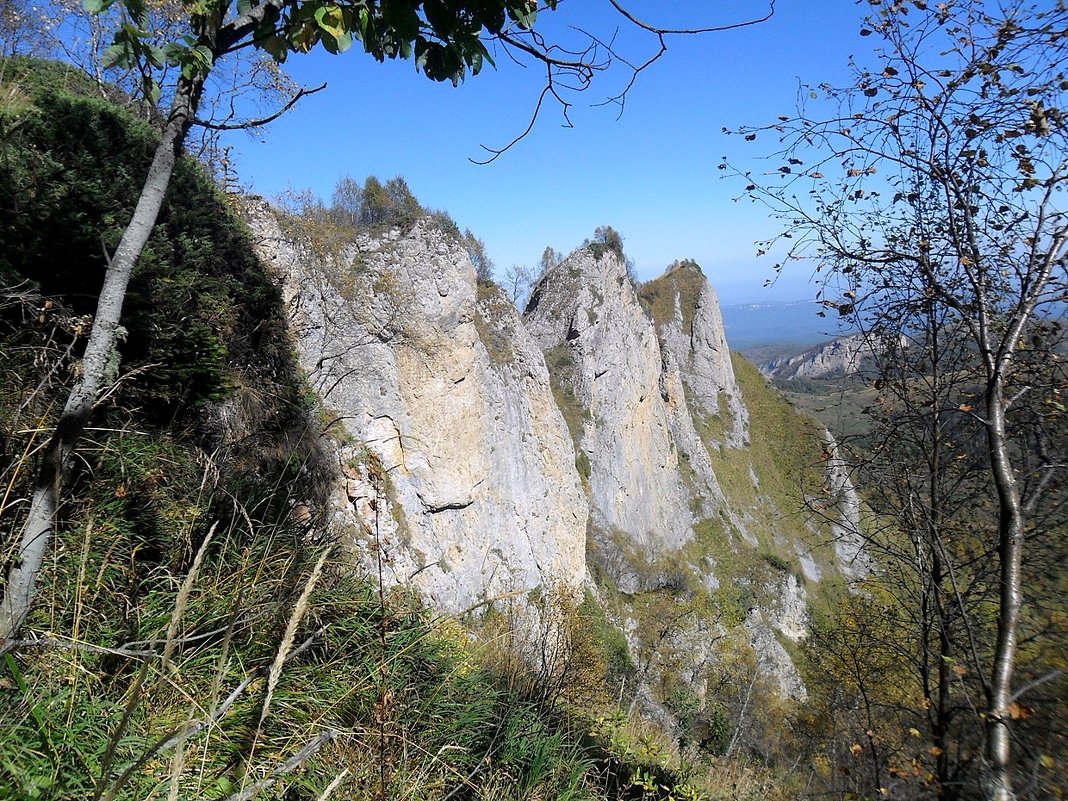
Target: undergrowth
190 644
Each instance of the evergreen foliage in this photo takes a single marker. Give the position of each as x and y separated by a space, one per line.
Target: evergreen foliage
606 239
71 168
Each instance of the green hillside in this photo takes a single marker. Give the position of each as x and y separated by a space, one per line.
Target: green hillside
189 632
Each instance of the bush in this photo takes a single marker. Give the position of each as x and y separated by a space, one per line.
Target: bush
198 303
606 239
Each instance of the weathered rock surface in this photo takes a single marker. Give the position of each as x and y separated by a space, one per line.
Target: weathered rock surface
853 560
486 454
839 357
649 388
694 344
608 365
451 399
772 658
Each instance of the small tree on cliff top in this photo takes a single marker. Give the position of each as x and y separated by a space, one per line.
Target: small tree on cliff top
931 197
447 39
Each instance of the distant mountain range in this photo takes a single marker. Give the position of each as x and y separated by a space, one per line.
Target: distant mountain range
765 330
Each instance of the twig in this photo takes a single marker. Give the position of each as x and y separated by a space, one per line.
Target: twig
68 644
1036 683
288 766
240 126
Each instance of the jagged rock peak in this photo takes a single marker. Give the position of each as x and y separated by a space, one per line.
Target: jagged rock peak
463 473
689 322
606 363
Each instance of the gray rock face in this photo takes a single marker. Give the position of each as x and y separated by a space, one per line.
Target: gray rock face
451 400
839 357
586 316
853 559
693 341
773 659
483 450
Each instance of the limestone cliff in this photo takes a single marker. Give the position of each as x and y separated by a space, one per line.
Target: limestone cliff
488 454
608 366
690 327
462 476
659 417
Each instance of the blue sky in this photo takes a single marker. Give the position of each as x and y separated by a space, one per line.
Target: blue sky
650 173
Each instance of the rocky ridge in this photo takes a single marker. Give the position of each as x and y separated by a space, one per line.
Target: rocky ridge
609 368
839 357
581 445
460 472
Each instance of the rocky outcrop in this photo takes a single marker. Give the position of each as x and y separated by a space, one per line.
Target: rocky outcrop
608 367
648 386
463 477
839 357
690 328
772 658
486 455
853 560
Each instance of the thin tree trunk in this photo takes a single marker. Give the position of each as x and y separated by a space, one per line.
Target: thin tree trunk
1010 550
937 475
20 586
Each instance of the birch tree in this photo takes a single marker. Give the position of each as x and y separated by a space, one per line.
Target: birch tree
929 196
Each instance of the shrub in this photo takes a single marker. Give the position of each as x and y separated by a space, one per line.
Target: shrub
198 303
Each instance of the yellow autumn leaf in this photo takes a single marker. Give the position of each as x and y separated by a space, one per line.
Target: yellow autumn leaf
1018 711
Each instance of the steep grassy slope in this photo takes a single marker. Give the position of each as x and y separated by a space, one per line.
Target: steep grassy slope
192 637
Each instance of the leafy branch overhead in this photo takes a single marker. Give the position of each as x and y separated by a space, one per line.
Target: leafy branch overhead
445 41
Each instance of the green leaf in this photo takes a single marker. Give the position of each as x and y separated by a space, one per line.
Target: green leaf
138 12
304 38
276 47
402 18
174 53
524 13
118 54
344 42
439 17
421 48
155 55
331 19
202 53
96 6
